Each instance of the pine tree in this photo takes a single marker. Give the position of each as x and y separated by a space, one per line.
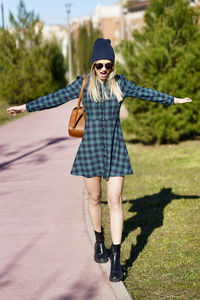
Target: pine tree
74 56
9 56
83 47
29 67
165 57
94 33
82 50
57 65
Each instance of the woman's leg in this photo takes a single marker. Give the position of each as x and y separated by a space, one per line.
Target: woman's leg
114 191
114 194
93 186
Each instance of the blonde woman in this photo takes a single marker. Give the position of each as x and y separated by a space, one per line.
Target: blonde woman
102 152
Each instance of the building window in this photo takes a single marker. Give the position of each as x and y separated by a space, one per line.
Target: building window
116 33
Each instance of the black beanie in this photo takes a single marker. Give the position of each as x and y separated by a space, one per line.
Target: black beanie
102 49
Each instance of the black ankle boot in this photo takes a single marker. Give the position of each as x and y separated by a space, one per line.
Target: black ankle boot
100 252
116 271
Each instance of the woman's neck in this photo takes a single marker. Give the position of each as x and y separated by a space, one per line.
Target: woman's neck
101 81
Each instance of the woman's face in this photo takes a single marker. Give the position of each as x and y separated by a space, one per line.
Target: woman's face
103 67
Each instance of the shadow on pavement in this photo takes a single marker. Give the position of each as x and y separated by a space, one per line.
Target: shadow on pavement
5 165
81 288
12 264
81 291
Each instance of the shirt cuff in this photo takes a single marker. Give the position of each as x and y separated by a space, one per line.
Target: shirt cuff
28 108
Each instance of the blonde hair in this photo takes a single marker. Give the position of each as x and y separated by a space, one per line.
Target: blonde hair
93 90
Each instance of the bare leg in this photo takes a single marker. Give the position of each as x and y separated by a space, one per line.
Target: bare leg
93 186
114 192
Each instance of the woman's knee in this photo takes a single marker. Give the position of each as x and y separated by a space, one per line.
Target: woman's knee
93 186
115 201
94 198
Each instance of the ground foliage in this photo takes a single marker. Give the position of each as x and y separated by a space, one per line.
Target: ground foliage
164 56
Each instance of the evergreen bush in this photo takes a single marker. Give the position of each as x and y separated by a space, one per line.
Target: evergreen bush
29 66
82 48
164 56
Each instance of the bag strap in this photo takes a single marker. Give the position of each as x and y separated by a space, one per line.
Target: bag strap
80 99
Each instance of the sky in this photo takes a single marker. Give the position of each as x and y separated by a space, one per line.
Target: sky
53 11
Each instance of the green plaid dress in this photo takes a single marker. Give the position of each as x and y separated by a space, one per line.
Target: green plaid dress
102 151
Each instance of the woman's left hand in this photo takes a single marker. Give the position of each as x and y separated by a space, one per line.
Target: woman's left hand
182 100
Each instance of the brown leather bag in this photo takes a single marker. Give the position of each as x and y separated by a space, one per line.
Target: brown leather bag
77 119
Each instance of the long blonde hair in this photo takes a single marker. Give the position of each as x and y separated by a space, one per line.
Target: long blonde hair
93 89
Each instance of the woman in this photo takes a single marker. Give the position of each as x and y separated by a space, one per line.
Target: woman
102 152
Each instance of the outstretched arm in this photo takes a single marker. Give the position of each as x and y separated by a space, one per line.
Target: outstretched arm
49 101
132 90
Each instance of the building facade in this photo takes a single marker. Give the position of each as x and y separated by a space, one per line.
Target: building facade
108 18
57 33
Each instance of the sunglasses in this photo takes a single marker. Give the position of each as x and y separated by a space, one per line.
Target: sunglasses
100 66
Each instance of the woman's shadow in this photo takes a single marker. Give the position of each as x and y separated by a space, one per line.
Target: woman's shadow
149 216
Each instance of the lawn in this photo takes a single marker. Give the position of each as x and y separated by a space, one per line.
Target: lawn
161 237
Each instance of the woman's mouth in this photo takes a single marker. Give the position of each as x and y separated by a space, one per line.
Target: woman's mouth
103 74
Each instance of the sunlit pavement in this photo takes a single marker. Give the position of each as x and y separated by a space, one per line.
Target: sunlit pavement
45 251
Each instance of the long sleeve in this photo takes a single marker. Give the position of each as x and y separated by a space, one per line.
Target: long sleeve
130 89
55 99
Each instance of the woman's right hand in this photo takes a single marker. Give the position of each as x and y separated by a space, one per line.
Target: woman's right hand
15 110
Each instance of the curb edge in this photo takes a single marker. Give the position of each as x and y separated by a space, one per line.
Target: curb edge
119 288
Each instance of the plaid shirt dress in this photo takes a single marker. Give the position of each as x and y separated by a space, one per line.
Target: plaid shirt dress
102 151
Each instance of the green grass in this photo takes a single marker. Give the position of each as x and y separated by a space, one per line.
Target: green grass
161 237
4 116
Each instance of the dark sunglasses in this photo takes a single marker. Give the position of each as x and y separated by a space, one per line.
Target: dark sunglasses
108 66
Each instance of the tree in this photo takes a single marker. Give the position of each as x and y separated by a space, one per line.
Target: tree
74 56
94 33
82 51
164 56
8 60
29 67
57 65
82 48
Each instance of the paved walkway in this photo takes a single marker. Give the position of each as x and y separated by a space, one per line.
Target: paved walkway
45 250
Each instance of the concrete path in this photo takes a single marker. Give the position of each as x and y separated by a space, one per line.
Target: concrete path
45 250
